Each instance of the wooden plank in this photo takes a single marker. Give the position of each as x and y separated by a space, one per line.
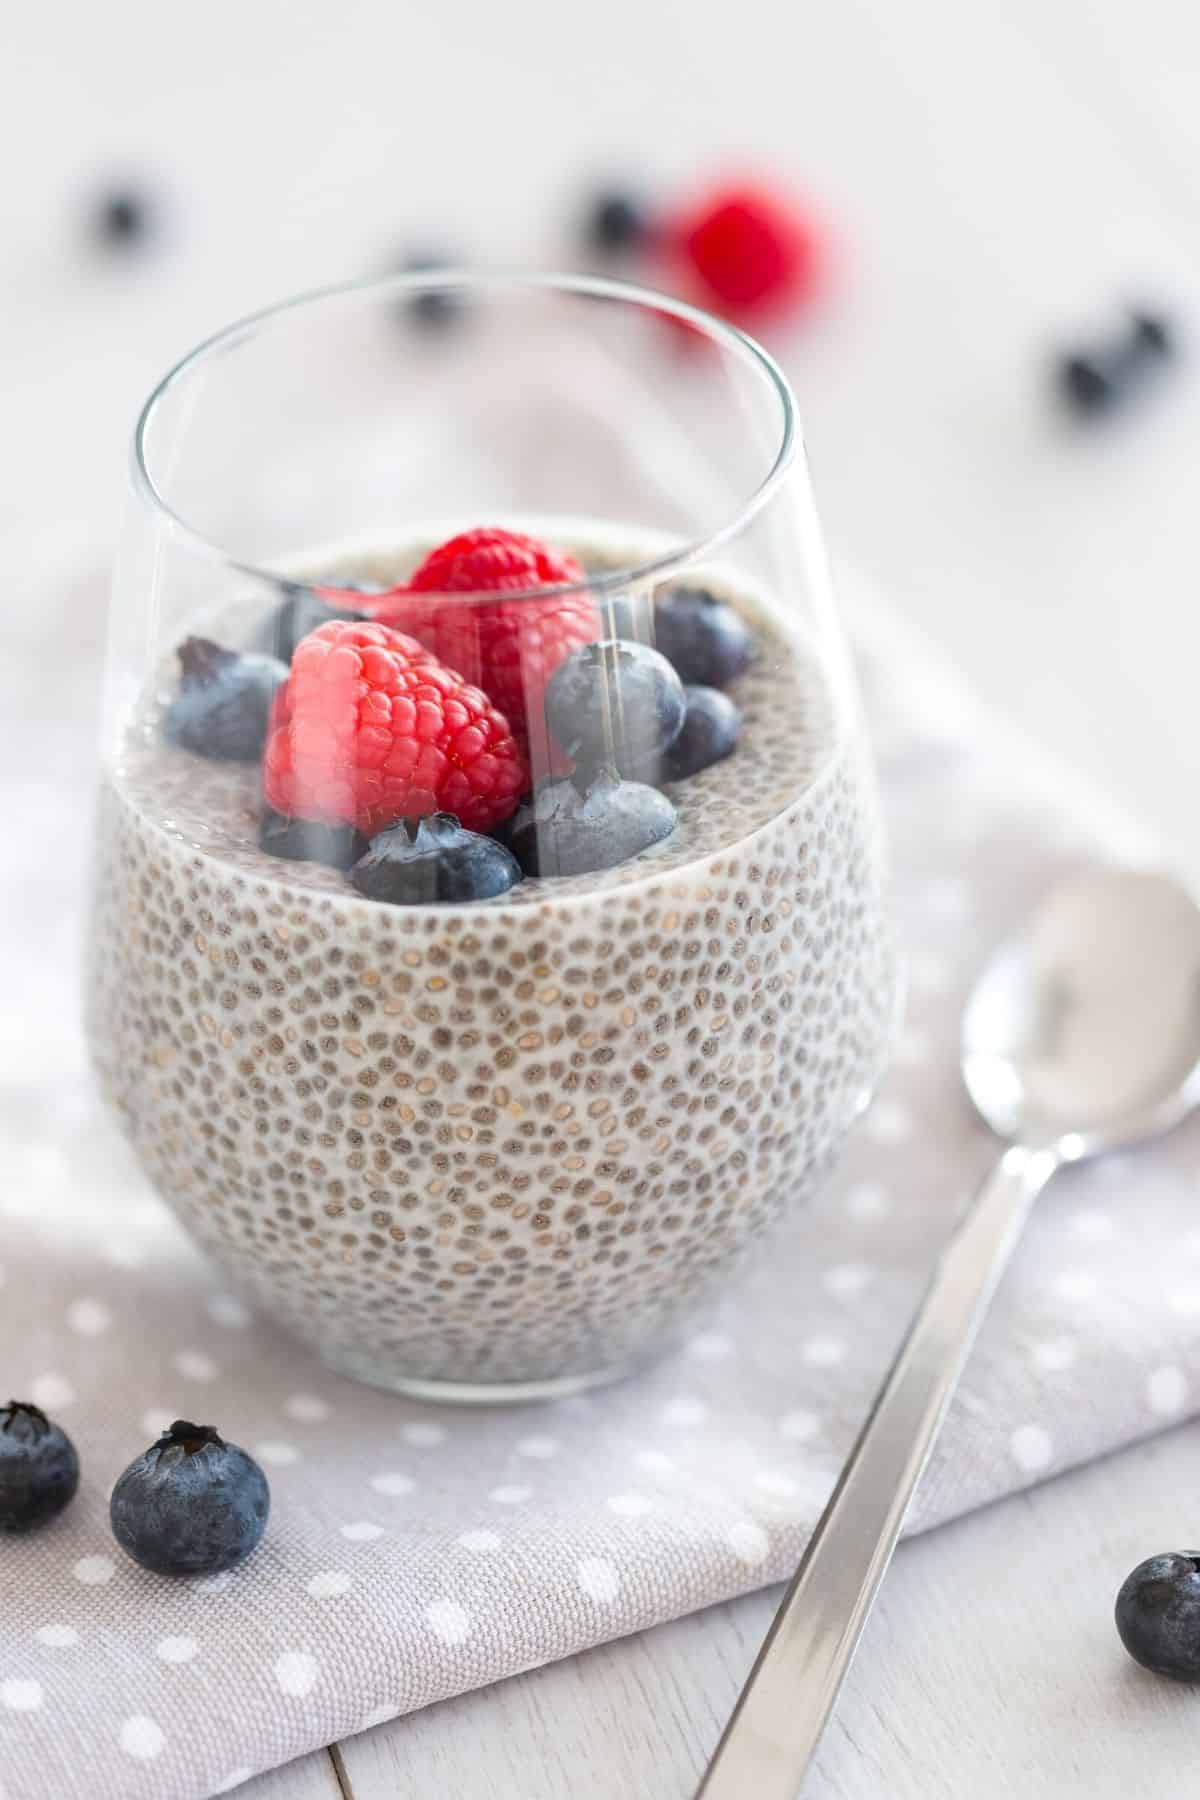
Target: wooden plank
991 1668
309 1778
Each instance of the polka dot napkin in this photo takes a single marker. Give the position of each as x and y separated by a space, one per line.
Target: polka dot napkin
413 1552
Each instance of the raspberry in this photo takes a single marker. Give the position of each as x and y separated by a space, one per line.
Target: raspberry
370 728
752 250
510 649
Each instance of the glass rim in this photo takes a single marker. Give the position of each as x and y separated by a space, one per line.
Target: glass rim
718 331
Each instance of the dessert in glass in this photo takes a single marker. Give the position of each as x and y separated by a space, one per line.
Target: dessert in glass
489 942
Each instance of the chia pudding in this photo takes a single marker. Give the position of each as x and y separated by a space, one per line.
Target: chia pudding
512 1145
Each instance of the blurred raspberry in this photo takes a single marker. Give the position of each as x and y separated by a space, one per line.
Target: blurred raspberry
370 728
751 250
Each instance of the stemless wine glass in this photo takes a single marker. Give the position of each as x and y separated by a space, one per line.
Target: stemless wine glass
478 990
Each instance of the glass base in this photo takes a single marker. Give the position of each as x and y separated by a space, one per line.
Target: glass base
475 1393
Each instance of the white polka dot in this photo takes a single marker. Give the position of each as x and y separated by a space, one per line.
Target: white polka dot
393 1484
1031 1447
1185 1300
771 1482
448 1621
123 1253
94 1571
275 1451
868 1200
309 1409
51 1392
57 1637
1054 1354
297 1672
910 1049
822 1352
423 1436
362 1531
90 1318
654 1462
799 1425
927 972
629 1506
214 1584
599 1580
845 1281
157 1421
710 1346
142 1738
228 1311
888 1122
749 1542
1076 1284
234 1779
511 1495
480 1541
1166 1390
1093 1225
684 1413
176 1649
329 1584
539 1448
21 1696
193 1365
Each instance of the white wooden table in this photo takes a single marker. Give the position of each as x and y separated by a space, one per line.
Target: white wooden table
996 177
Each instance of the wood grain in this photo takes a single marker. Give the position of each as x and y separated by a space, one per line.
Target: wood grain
311 1778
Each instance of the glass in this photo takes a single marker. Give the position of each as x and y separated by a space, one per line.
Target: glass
489 1116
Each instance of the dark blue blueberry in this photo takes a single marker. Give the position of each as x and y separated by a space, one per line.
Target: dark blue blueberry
703 639
123 218
616 221
1093 381
39 1469
710 732
303 840
614 704
423 862
300 611
223 701
434 307
1086 387
564 830
1158 1614
191 1505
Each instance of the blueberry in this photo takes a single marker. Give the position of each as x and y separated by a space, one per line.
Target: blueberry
303 840
123 218
564 830
223 701
427 861
300 611
1085 386
614 704
616 221
39 1469
191 1504
433 307
710 732
1158 1614
703 639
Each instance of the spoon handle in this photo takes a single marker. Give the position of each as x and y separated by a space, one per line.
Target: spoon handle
786 1702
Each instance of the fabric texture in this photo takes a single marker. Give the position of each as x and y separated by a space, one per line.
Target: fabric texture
414 1552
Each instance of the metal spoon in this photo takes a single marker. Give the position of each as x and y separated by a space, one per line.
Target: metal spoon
1082 1035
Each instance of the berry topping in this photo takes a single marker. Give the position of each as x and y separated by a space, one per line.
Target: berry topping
424 861
509 649
39 1469
710 733
123 218
191 1504
615 704
1158 1614
371 728
704 640
306 840
752 250
563 831
616 220
224 701
434 307
302 610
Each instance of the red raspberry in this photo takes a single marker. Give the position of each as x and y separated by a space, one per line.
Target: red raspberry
510 649
752 250
370 728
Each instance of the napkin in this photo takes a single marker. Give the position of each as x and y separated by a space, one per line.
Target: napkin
414 1552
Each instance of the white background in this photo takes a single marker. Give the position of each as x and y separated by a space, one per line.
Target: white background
994 179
